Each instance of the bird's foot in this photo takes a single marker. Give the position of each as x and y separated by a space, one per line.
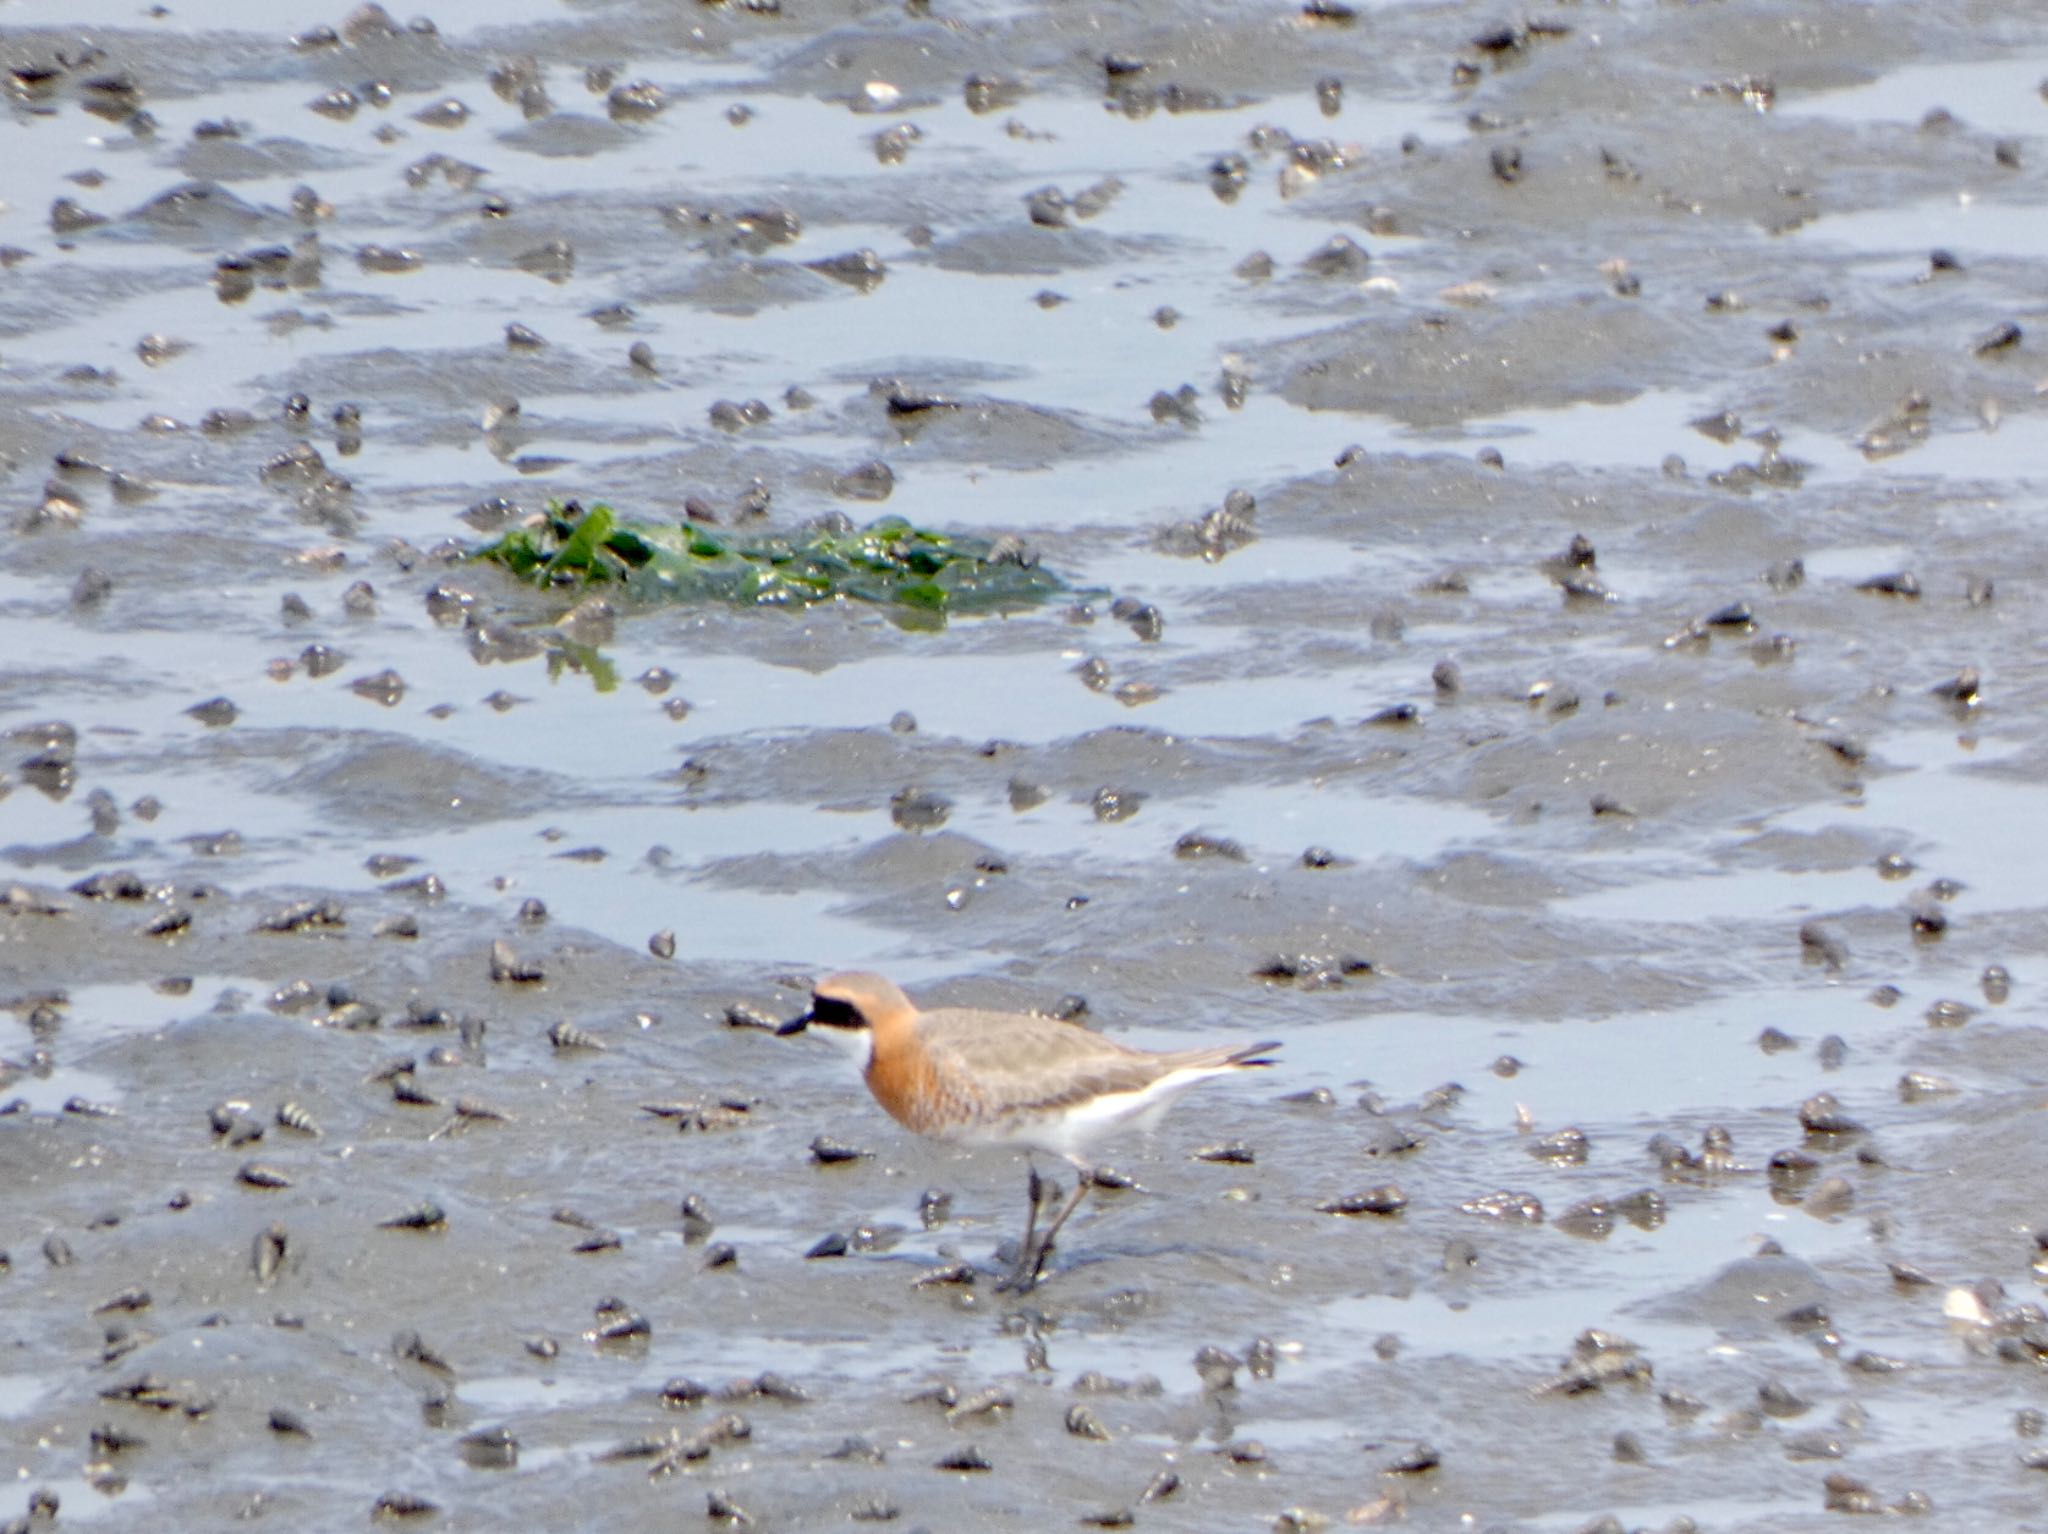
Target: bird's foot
1033 1257
1031 1251
1027 1271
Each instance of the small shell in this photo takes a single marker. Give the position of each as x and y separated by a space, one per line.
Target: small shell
268 1254
395 1506
425 1215
406 1090
292 1116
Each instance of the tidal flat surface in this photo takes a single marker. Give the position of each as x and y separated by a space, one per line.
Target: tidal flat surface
1554 500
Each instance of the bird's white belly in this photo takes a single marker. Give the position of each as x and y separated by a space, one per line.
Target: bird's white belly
1070 1133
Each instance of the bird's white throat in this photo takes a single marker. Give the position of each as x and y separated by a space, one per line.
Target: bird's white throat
857 1043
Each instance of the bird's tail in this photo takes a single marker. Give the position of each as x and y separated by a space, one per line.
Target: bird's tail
1228 1056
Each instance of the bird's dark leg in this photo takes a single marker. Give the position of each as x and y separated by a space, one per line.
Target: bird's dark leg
1084 1178
1037 1189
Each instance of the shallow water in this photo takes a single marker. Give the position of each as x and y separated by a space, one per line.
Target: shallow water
1581 878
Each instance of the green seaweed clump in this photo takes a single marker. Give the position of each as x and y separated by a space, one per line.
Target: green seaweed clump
888 562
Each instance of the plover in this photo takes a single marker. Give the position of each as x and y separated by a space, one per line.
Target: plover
977 1077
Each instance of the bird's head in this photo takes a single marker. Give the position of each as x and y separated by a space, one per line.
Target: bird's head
848 1008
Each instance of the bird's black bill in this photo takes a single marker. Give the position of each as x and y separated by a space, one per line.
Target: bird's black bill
796 1024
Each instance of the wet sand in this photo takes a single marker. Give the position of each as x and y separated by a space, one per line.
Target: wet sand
1634 620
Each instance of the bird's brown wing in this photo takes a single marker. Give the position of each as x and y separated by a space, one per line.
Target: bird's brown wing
1017 1060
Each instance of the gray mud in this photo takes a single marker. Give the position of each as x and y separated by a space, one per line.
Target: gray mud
313 1213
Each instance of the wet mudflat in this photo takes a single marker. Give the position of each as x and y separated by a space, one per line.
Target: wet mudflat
1553 507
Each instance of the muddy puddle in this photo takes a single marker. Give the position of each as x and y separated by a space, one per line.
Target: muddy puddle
1553 509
